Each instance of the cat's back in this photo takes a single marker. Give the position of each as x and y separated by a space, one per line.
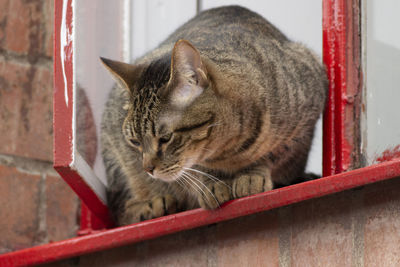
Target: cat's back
227 21
223 32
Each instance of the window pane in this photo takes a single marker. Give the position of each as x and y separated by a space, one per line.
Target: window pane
98 32
381 63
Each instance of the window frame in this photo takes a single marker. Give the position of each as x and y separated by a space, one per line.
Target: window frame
94 213
341 146
342 57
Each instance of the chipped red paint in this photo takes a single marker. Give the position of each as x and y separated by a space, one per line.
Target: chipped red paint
389 154
89 197
63 117
89 222
194 218
336 147
354 84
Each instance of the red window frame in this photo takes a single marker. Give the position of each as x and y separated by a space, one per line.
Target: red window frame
341 54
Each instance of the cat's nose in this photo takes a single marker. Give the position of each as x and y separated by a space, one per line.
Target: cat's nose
149 169
148 163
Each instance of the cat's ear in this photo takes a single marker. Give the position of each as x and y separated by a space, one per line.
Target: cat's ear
188 73
125 74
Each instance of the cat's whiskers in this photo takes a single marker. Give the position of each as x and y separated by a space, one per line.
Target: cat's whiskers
190 184
182 185
201 183
179 182
215 179
196 187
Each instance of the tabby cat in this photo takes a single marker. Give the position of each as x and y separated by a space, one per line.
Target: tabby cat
224 108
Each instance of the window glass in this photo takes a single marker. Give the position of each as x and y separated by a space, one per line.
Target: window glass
98 31
381 64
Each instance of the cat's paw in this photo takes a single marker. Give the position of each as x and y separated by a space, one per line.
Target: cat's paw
213 194
144 210
247 184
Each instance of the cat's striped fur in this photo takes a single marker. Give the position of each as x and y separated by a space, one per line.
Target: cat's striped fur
227 113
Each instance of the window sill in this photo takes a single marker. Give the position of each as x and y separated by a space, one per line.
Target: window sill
120 236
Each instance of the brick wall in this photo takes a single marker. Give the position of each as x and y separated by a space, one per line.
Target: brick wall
36 206
359 227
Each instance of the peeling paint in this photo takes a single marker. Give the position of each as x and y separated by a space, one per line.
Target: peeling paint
389 154
65 40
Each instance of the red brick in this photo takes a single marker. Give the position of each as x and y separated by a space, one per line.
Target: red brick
182 249
249 241
26 110
49 24
62 209
25 27
382 227
3 20
19 209
322 232
190 248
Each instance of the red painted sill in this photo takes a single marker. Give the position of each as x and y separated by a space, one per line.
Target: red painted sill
194 218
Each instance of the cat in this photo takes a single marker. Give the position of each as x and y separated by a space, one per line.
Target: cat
224 108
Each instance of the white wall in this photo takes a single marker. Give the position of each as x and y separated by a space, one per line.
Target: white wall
299 20
154 20
381 59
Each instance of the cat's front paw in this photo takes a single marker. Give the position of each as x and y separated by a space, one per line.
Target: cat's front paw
213 194
144 210
247 184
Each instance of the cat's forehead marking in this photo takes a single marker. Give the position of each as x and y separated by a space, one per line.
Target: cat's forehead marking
144 115
156 74
146 99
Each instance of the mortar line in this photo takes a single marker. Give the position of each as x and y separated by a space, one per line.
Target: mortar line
285 236
41 236
28 165
358 222
43 61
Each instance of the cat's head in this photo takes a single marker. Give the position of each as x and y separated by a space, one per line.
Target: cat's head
172 110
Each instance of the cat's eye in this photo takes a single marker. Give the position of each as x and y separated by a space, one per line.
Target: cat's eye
134 142
165 138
